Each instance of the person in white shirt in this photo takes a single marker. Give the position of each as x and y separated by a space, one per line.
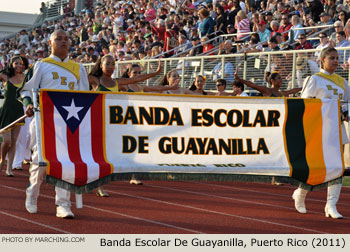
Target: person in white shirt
324 42
326 84
55 72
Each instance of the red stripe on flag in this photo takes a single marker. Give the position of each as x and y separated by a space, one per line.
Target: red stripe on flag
97 137
75 157
49 137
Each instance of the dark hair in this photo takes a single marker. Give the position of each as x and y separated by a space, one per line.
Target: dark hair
221 81
238 84
342 33
271 76
128 70
273 40
97 70
193 85
326 51
10 71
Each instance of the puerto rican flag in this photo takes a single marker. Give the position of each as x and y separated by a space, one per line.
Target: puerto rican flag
73 136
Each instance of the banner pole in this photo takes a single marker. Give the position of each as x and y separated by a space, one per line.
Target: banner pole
36 118
13 123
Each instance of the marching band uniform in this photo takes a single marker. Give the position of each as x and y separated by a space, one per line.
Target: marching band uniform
332 86
50 73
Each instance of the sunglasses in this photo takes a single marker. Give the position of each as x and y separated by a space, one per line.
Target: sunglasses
219 85
322 37
301 38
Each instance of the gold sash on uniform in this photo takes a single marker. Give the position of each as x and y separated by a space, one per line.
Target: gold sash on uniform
70 66
335 78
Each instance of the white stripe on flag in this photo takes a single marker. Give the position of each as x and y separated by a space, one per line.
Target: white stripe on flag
68 168
330 140
93 169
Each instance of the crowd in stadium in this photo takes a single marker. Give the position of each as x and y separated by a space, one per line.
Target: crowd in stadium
141 29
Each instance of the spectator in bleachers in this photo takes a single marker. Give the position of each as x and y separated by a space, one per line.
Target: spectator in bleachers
326 19
273 45
303 43
196 47
188 6
268 18
150 13
118 23
254 45
343 17
342 42
159 29
254 22
226 72
274 27
270 5
251 9
230 29
294 32
346 4
242 24
264 34
170 40
226 47
315 7
221 20
233 13
207 25
330 8
285 26
324 42
207 46
338 26
281 9
23 39
184 44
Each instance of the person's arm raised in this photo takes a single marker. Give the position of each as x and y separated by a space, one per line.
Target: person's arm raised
141 77
263 90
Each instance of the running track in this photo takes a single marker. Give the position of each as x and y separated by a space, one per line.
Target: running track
172 207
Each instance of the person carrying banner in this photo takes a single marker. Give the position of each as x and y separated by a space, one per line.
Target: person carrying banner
53 72
100 79
326 84
11 109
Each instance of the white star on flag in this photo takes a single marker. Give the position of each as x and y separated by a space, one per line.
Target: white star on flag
72 110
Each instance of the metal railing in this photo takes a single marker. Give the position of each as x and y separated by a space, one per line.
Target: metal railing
251 66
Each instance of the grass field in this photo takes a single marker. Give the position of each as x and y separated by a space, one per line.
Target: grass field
346 181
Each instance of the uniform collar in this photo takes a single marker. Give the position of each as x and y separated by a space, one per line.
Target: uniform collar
325 72
58 59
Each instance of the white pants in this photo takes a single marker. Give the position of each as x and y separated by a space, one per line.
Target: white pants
23 144
37 174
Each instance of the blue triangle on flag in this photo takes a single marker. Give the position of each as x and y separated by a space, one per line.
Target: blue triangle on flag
72 106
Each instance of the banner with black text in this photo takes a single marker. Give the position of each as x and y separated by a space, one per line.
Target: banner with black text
88 136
